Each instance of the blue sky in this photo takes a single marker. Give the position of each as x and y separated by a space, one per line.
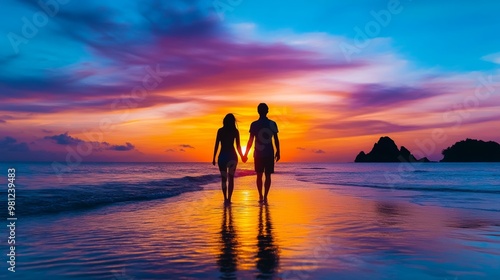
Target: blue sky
453 35
450 35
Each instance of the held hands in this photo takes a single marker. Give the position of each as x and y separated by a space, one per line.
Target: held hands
244 157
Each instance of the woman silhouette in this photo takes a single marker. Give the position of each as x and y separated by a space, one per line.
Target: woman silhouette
228 159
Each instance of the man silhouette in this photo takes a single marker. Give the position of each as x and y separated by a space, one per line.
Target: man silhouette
263 131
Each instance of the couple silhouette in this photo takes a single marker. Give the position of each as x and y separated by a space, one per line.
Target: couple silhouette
262 131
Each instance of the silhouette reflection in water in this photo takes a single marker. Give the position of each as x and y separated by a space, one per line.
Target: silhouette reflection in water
228 258
268 251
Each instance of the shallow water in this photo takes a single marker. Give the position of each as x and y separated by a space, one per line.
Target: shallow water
305 232
323 221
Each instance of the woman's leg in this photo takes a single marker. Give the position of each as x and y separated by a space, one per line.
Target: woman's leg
230 187
231 170
223 176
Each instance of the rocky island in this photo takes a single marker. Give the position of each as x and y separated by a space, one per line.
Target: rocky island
385 150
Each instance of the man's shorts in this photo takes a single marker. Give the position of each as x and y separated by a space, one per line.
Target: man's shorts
264 165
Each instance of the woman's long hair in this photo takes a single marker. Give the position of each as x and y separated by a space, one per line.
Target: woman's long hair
229 122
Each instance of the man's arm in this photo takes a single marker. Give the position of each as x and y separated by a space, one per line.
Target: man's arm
277 144
249 144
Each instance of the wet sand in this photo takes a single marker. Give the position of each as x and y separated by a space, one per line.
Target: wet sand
305 231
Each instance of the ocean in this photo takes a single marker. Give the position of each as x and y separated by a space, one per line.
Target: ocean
42 191
103 220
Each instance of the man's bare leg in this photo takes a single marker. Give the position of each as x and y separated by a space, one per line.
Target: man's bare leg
267 185
259 185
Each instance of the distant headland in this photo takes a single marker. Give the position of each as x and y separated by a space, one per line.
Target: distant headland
470 150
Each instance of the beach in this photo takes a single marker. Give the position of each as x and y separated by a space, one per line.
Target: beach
305 231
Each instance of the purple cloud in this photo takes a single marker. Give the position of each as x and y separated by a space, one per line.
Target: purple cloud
316 151
64 139
9 144
4 118
186 146
377 96
67 140
126 147
185 41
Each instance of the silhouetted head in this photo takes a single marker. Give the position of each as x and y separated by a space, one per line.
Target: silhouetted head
262 109
229 122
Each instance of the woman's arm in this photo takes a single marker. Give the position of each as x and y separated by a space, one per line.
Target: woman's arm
216 148
238 144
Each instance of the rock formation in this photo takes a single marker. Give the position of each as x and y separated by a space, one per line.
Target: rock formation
385 150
